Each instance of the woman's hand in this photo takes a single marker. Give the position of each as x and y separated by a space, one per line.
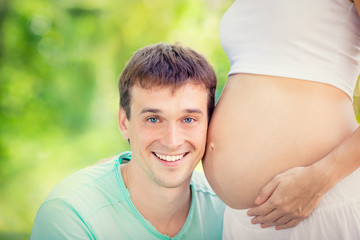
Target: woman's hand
292 195
289 197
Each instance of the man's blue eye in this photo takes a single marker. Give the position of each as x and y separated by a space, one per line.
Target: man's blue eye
188 120
153 120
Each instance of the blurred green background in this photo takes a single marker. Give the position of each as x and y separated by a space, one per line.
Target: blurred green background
59 65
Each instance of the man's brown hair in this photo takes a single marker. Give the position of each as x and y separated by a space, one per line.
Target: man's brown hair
166 65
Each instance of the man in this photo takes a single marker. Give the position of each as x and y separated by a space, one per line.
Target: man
167 97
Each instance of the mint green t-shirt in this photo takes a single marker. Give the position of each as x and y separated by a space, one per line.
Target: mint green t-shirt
94 203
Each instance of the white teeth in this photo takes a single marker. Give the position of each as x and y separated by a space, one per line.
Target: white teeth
169 158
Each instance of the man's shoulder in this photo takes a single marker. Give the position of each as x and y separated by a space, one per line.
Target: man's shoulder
203 192
207 207
88 183
200 184
77 205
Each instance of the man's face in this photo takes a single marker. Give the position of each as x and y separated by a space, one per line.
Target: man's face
167 132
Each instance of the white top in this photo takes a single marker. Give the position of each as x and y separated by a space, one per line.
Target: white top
303 39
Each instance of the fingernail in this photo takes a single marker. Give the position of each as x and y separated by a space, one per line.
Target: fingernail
277 228
258 199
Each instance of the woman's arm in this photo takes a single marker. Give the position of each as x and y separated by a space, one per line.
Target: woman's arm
292 195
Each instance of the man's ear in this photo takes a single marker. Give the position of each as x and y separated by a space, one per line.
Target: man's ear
123 123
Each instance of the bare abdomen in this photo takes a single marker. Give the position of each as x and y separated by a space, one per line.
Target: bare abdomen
264 125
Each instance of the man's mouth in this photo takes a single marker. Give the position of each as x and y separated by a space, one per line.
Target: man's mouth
169 158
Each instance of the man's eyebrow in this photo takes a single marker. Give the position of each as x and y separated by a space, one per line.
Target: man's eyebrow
193 110
150 110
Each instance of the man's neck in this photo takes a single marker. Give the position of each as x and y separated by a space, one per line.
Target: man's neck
166 208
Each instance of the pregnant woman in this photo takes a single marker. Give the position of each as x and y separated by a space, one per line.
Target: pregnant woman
283 139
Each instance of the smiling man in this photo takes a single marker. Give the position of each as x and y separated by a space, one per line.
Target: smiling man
166 100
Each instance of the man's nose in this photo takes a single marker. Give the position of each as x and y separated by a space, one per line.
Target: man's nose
173 136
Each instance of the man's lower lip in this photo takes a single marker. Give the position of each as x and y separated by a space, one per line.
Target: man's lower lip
170 163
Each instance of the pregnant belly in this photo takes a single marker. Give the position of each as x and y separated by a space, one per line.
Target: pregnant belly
265 125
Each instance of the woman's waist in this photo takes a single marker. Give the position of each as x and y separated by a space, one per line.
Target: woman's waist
262 128
246 159
261 148
292 86
271 97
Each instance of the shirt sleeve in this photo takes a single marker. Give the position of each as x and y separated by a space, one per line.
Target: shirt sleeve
56 219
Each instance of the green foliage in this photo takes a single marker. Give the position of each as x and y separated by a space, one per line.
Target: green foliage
59 65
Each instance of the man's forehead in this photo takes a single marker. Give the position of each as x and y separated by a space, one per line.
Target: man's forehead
189 98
